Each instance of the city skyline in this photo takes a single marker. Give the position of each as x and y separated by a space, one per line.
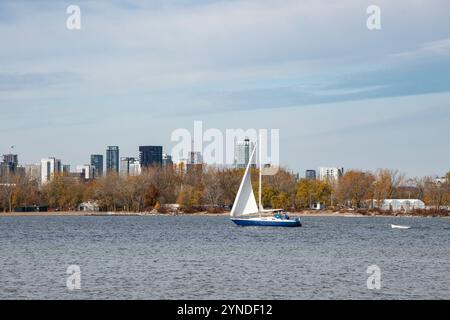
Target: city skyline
319 172
339 93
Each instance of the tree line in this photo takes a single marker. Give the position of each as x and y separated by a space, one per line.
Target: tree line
214 189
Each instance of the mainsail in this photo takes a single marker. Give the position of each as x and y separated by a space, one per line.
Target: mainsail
245 202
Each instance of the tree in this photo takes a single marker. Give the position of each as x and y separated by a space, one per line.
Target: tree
354 187
207 185
212 191
133 193
150 196
312 191
166 180
189 197
4 197
107 192
304 194
229 181
436 194
63 193
268 193
386 184
322 191
278 190
281 201
25 193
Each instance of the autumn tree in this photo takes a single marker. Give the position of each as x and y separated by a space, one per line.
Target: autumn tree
312 191
26 194
304 194
436 194
213 191
386 184
229 180
268 193
322 191
212 186
354 187
166 180
151 196
278 190
106 191
189 197
281 201
63 193
133 193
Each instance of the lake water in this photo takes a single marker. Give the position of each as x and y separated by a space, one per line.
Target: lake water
192 257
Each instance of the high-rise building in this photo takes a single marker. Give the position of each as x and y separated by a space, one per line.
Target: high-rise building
86 171
11 159
112 159
49 168
195 157
66 169
125 165
97 163
8 166
135 168
243 150
5 172
310 174
33 171
167 160
194 162
330 173
150 155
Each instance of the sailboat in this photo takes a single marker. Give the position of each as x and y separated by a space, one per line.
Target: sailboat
245 211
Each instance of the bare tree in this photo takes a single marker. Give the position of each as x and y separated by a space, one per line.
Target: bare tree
386 184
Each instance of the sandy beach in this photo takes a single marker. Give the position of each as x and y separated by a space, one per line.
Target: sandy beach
149 214
106 214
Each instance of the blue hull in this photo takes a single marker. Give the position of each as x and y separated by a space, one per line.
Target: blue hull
267 223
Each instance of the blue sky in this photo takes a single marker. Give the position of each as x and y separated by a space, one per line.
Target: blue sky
340 94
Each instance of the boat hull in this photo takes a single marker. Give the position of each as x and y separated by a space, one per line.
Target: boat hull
394 226
262 222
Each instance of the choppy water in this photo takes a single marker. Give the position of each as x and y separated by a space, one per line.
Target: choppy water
211 258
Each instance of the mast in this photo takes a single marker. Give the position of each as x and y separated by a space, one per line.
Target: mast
260 176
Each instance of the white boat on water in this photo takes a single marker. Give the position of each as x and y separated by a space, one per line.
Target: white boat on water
396 226
246 212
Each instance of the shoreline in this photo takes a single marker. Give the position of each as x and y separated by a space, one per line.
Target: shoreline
200 214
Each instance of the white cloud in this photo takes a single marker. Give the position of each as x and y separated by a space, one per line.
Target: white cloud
428 49
147 58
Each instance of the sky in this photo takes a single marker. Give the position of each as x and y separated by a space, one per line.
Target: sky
341 94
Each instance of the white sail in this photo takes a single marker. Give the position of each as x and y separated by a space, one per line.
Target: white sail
245 202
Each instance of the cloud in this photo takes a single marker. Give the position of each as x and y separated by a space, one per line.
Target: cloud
166 60
35 80
427 50
136 45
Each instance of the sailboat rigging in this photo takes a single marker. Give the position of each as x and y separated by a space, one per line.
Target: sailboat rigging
245 210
